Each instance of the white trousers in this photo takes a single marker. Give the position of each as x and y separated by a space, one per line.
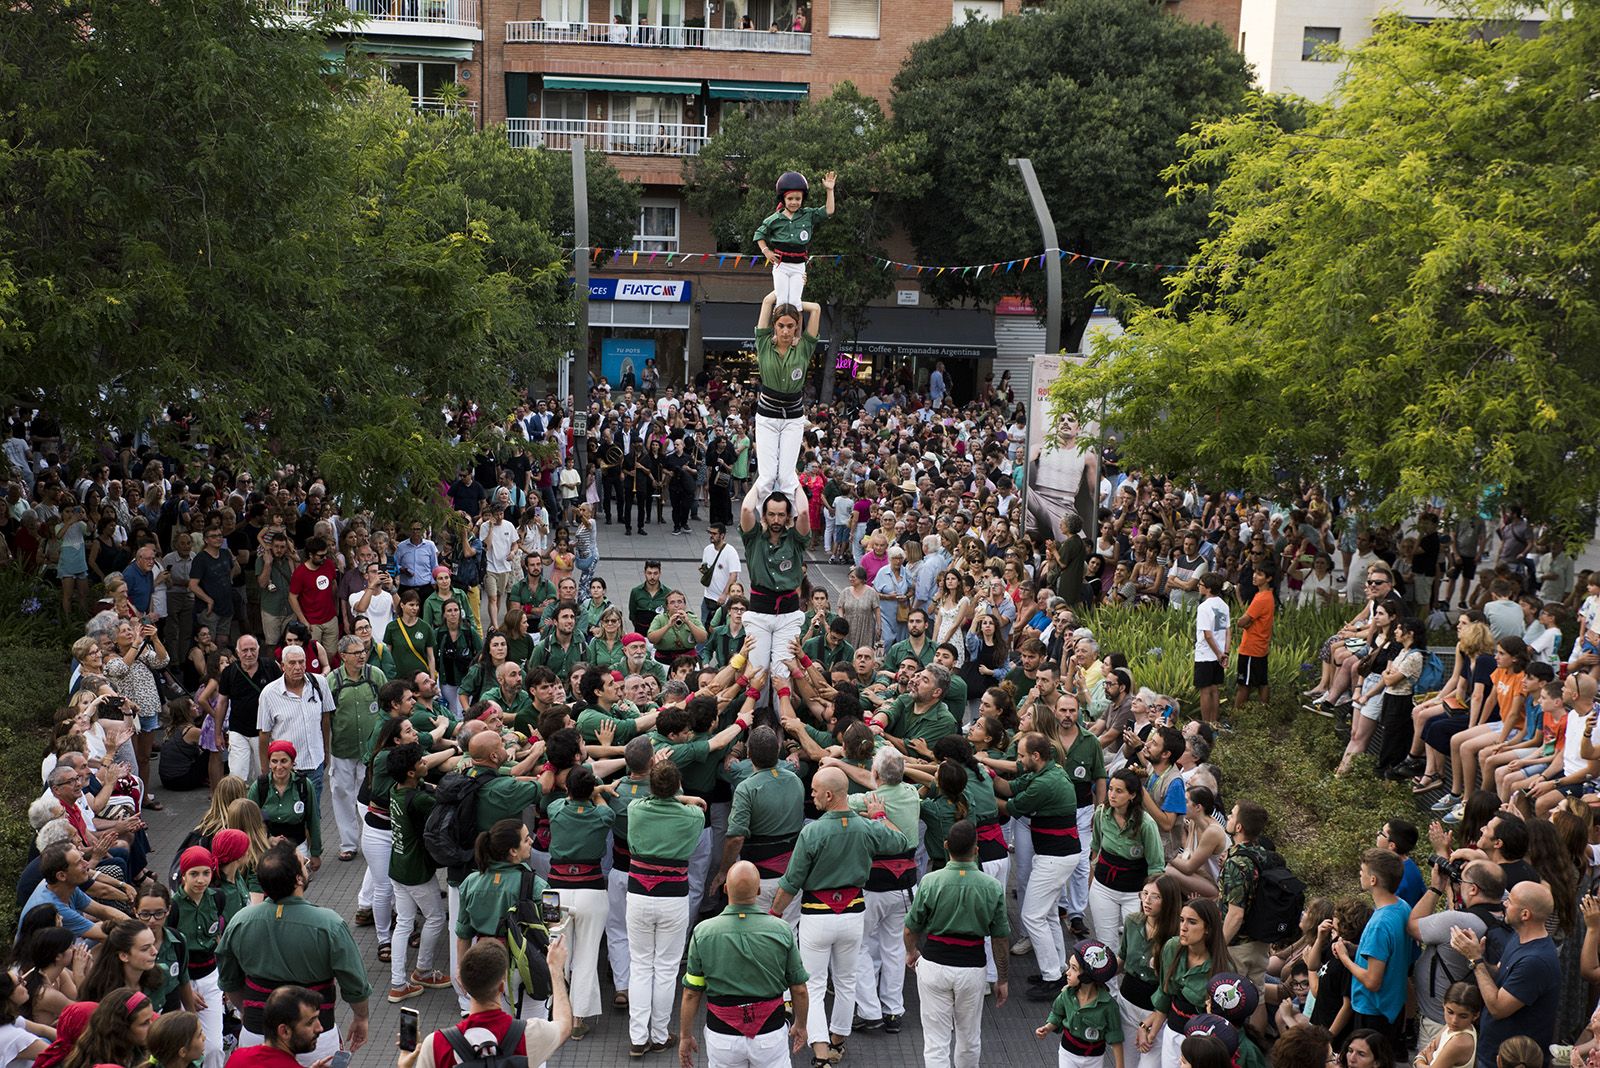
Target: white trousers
377 892
244 758
768 893
772 636
452 913
1132 1017
736 1051
656 928
1078 887
1075 1060
344 781
778 444
952 1008
881 967
1000 871
584 928
788 283
328 1044
211 1018
699 870
409 902
1021 835
1107 909
830 943
617 928
1045 883
1171 1046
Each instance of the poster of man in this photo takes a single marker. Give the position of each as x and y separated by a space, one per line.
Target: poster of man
1062 476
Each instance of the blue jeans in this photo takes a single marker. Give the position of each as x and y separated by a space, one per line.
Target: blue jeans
314 776
586 566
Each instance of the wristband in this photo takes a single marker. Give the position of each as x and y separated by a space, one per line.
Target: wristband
753 693
737 661
879 816
743 682
742 724
783 691
805 661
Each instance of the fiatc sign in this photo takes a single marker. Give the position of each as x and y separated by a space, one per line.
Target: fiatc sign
667 291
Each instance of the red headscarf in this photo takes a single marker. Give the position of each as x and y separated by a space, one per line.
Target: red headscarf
74 1020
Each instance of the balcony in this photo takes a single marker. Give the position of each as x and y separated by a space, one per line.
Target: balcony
620 138
712 39
438 105
406 18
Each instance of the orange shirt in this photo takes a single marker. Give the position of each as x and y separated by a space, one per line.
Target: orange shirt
1508 693
1258 635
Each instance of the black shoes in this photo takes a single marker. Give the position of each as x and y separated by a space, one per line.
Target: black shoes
891 1022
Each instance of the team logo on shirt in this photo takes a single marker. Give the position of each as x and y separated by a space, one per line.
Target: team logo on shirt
1091 1034
785 565
216 925
299 808
322 582
797 373
1137 852
805 235
1079 772
172 969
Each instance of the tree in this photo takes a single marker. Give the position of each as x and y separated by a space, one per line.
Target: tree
732 181
293 255
1399 298
1096 93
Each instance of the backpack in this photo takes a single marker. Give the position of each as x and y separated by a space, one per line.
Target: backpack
193 838
263 783
469 569
451 830
527 940
340 684
1432 677
500 1054
1276 902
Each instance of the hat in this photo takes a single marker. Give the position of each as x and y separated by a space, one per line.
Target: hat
440 571
792 182
1098 962
194 857
631 637
1209 1023
1233 997
229 845
283 745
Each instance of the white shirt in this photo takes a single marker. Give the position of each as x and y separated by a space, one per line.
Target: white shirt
1214 619
1572 761
297 720
498 540
724 566
379 611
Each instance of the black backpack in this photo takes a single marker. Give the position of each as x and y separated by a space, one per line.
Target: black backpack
1276 902
500 1054
452 827
263 784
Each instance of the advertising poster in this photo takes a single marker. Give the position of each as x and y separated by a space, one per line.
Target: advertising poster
1062 476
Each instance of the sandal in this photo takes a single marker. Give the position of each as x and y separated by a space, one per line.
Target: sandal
385 954
347 855
153 805
1425 783
835 1052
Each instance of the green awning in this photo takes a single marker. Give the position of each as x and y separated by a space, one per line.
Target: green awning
620 85
409 50
758 91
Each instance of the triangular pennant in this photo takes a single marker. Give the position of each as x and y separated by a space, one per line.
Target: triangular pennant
722 259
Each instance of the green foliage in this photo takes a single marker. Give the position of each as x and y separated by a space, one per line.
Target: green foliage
1398 296
1281 755
36 686
1096 93
731 182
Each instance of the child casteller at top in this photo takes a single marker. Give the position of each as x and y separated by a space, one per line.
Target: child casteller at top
784 236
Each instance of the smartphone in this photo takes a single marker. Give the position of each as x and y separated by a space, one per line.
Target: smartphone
341 1059
551 903
409 1020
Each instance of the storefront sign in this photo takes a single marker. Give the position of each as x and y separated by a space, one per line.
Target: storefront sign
669 291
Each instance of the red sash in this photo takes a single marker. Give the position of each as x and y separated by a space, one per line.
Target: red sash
747 1018
837 901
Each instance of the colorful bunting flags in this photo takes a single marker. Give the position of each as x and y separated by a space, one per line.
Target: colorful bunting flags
972 270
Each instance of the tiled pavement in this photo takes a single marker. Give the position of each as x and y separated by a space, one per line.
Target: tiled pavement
1007 1031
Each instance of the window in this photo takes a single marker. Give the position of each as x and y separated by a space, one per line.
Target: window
561 11
984 10
658 226
557 104
1316 37
756 110
422 80
852 18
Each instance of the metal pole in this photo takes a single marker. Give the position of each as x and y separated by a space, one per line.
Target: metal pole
578 375
1052 256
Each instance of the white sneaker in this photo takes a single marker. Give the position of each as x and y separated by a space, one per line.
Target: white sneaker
1021 947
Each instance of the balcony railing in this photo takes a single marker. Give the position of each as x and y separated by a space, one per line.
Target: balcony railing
710 38
622 138
434 105
415 12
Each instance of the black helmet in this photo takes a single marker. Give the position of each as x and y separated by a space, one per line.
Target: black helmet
792 182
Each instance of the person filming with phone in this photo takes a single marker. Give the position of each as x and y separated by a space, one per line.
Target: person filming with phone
488 1030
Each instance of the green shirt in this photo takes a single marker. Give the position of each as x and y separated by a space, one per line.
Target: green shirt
409 862
793 232
697 762
662 828
503 797
643 605
235 892
295 805
590 719
200 923
955 694
742 952
478 681
578 830
741 457
433 611
721 645
1140 840
409 646
605 656
770 802
907 723
486 897
172 966
677 639
959 901
835 850
774 567
628 791
1134 951
1184 979
531 596
518 707
589 617
1098 1021
818 650
291 941
1085 763
552 654
274 601
903 648
518 649
356 714
902 806
1046 793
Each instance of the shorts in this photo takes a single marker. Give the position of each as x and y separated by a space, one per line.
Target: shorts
1252 672
1208 673
1464 567
149 724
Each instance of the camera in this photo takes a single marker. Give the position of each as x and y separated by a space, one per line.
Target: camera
1452 868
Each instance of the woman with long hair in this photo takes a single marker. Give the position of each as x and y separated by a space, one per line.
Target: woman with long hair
172 989
56 967
951 611
1144 933
128 958
21 1039
288 803
1187 963
183 763
502 879
1501 724
480 677
176 1040
1198 868
986 657
117 1032
1437 720
455 650
1368 706
139 655
605 649
1124 848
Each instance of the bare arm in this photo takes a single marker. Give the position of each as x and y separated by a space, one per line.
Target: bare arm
764 320
813 312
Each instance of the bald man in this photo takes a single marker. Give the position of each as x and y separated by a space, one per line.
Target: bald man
740 961
830 865
1520 996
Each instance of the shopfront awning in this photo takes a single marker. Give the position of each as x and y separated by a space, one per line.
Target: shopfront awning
930 333
724 90
377 46
620 85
